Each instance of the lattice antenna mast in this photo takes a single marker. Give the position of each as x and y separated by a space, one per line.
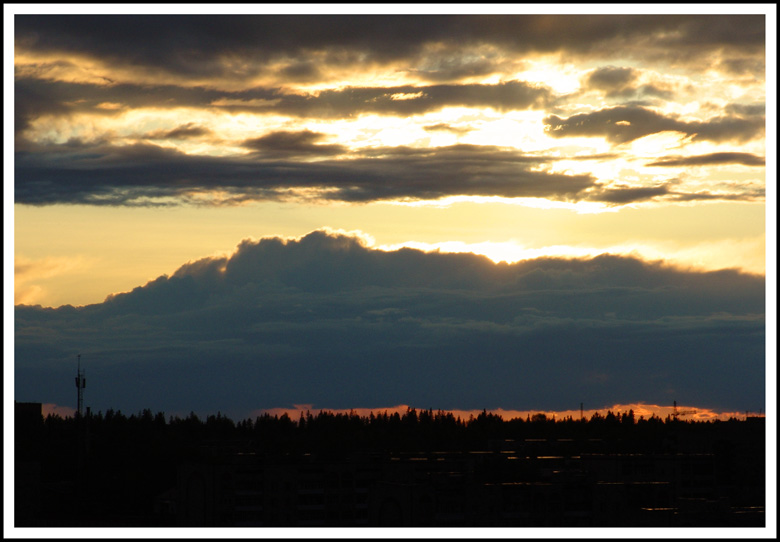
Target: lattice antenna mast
81 383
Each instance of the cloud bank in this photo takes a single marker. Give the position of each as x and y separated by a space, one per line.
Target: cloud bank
327 320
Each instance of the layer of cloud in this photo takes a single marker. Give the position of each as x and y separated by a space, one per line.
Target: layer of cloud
623 83
185 131
158 110
612 80
142 174
327 320
147 174
623 124
243 47
290 144
712 159
40 97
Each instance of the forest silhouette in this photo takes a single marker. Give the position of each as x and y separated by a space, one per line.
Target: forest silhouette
113 469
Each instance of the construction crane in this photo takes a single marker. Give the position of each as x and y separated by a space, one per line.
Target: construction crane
677 413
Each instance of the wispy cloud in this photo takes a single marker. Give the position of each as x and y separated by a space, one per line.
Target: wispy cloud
623 124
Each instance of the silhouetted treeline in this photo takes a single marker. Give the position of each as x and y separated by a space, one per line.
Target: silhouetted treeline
120 437
414 430
114 462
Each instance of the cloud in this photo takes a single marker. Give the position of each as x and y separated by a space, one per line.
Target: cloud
81 86
622 195
241 47
185 131
611 79
145 174
618 194
30 103
747 66
623 124
746 110
712 159
290 144
457 67
302 71
37 98
327 320
621 83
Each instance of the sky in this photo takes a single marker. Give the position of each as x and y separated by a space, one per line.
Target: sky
515 211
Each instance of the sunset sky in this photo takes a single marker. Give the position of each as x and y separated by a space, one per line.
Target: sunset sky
454 211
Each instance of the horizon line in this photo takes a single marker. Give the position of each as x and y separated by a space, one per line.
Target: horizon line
640 410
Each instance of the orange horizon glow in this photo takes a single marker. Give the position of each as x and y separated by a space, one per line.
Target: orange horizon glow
640 410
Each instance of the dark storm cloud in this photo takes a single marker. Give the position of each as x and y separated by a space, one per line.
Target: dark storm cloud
746 110
625 195
713 159
131 174
302 72
35 98
144 174
185 131
614 195
414 100
654 91
623 124
31 103
198 45
722 129
753 194
326 320
617 82
611 79
748 66
456 68
289 144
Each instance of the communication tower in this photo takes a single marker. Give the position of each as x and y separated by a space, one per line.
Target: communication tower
81 383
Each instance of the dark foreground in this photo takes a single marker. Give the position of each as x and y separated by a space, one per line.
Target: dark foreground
420 469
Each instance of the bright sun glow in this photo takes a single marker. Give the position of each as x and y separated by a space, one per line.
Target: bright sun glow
747 256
